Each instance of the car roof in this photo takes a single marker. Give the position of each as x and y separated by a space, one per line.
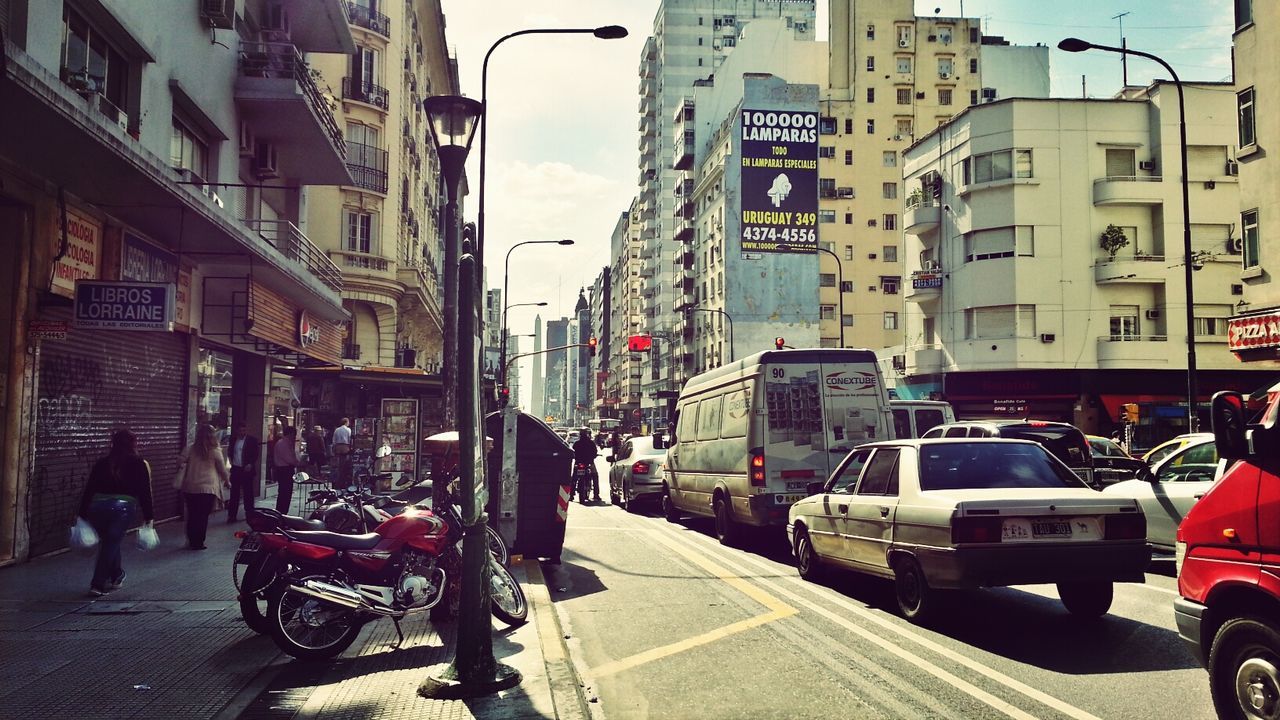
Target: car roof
1006 422
921 442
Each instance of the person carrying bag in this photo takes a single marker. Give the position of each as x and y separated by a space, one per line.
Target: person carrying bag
119 485
203 479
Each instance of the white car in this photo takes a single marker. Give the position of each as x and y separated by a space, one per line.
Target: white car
635 474
969 513
1173 485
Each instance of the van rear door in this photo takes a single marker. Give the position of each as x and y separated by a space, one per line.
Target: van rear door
795 439
854 401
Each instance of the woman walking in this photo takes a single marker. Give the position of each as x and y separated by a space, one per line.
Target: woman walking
119 484
203 476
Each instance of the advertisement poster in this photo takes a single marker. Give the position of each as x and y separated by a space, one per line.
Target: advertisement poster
80 262
779 193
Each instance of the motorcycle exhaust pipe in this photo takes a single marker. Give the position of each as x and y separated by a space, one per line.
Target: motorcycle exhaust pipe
341 596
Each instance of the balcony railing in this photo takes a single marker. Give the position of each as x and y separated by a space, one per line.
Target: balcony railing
290 242
365 92
368 166
361 16
282 60
1133 338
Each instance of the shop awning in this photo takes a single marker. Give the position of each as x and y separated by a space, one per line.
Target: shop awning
374 374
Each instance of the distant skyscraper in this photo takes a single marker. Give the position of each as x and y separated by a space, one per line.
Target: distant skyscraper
557 370
537 390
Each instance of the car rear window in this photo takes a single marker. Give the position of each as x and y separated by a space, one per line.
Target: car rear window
1066 443
966 466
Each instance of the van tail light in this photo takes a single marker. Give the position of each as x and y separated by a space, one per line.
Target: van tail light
1129 526
755 468
975 530
640 468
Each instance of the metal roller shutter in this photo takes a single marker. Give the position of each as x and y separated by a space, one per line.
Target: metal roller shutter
90 385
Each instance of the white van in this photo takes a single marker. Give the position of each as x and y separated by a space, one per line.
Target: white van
913 418
751 436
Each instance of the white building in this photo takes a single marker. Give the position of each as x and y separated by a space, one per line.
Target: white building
1014 306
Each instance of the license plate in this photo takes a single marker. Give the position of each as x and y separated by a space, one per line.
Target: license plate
1050 528
787 499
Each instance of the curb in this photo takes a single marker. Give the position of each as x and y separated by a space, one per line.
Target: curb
566 686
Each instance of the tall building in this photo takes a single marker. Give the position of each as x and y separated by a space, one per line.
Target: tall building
583 378
690 41
603 395
626 312
492 332
538 390
1046 272
556 395
381 228
893 78
1255 331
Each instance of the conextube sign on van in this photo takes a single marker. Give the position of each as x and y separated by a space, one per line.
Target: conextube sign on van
779 181
122 305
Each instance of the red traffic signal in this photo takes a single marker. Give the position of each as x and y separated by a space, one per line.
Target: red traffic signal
779 342
504 396
639 343
591 346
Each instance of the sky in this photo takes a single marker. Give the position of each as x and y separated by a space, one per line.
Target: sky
561 151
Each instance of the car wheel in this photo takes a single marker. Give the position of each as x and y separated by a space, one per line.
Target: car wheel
915 599
807 561
624 499
727 530
1086 599
669 509
1244 669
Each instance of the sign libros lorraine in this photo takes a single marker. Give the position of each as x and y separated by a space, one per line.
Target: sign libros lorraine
120 305
779 194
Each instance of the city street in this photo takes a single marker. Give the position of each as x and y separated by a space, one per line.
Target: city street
666 622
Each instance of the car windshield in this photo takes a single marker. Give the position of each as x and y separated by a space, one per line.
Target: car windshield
965 466
1103 447
1066 443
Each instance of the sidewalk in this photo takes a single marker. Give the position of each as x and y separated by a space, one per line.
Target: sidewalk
171 644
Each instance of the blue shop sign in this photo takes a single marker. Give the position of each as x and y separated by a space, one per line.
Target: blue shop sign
144 262
119 305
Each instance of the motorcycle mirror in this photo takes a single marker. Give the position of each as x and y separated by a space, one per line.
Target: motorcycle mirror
383 451
352 488
301 477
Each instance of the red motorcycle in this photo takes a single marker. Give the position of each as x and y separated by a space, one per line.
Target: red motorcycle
337 583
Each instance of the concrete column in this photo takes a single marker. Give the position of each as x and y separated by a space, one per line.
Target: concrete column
250 385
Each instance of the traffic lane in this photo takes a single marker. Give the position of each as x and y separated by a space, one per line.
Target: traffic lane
1121 665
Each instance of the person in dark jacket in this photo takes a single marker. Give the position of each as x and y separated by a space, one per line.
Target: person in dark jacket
119 485
585 451
243 453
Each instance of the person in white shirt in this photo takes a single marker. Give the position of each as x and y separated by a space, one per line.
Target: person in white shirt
342 451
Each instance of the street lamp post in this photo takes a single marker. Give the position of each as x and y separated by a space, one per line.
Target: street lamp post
727 317
839 290
1076 45
474 671
506 266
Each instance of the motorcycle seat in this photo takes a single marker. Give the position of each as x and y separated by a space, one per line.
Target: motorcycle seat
258 517
338 541
293 522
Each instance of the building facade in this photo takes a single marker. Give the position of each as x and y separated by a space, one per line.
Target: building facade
538 386
556 385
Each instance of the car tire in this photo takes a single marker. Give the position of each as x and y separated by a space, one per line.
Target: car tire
807 561
669 509
916 599
1245 657
1086 599
727 529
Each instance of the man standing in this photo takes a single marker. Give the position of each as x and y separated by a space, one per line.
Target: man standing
284 463
342 451
317 453
243 452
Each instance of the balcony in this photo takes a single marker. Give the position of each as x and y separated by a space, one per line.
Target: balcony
926 360
1134 351
922 216
365 92
358 264
683 157
279 99
1128 190
368 167
363 17
1148 269
294 246
320 26
926 285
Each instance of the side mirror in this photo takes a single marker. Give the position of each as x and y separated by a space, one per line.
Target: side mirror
815 488
1144 474
383 451
1227 414
610 459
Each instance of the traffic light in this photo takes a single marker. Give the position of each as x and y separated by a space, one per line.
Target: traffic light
504 396
591 346
779 342
639 343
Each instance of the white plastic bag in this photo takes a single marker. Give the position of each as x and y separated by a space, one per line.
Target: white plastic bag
83 535
148 538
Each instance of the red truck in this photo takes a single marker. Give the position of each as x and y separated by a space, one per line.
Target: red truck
1228 558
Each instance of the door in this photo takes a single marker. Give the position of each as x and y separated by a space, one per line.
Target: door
615 468
868 521
1181 480
827 523
852 401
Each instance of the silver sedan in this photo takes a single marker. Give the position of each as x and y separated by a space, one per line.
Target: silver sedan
635 474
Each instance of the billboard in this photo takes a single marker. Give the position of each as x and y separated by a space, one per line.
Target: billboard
779 194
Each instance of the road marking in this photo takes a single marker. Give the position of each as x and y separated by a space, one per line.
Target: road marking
991 674
777 611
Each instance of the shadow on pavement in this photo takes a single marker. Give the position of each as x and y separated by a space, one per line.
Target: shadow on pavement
569 580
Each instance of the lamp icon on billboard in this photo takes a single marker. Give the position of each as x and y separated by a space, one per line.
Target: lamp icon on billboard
780 190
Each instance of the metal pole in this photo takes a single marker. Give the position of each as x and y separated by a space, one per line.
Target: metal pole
839 290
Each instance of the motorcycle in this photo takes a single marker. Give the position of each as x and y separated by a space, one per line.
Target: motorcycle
582 478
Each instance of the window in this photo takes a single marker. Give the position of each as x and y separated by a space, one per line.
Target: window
91 66
904 96
904 63
1213 326
1244 13
973 66
848 126
826 216
846 479
699 42
1124 322
904 36
1002 242
848 220
846 320
944 96
709 418
871 127
848 157
730 41
944 35
846 286
188 151
973 97
871 32
1249 233
364 65
826 279
827 187
903 126
975 35
889 191
827 125
871 63
1244 104
827 151
999 321
889 222
945 67
1022 163
848 250
889 253
989 167
871 94
1121 162
362 231
881 475
889 284
930 330
891 321
827 312
890 158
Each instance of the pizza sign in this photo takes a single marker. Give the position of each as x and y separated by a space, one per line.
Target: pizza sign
1253 332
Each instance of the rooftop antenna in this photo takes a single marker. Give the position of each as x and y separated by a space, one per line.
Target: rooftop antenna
1124 57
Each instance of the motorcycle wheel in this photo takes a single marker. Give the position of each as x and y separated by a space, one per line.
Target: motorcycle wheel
497 547
308 628
508 602
253 606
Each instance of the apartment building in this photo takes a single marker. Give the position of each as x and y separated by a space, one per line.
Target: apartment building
621 391
555 385
1045 258
601 402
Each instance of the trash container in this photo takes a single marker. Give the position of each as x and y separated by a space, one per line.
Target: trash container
543 464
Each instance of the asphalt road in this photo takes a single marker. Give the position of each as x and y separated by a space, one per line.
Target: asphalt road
664 622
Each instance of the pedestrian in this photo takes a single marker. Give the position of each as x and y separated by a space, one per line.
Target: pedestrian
244 451
342 451
317 452
203 479
284 463
119 486
615 443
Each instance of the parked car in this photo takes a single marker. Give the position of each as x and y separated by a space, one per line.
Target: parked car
953 514
1168 447
913 418
1167 491
1065 441
1111 464
1228 556
636 472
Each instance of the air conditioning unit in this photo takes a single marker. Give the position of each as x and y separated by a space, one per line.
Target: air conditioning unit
944 75
844 192
897 137
988 94
933 38
1152 314
246 143
1237 289
1047 337
219 13
904 43
900 363
265 162
871 256
1147 165
920 96
1235 245
1233 167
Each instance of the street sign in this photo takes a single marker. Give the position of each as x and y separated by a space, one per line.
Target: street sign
119 305
47 330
